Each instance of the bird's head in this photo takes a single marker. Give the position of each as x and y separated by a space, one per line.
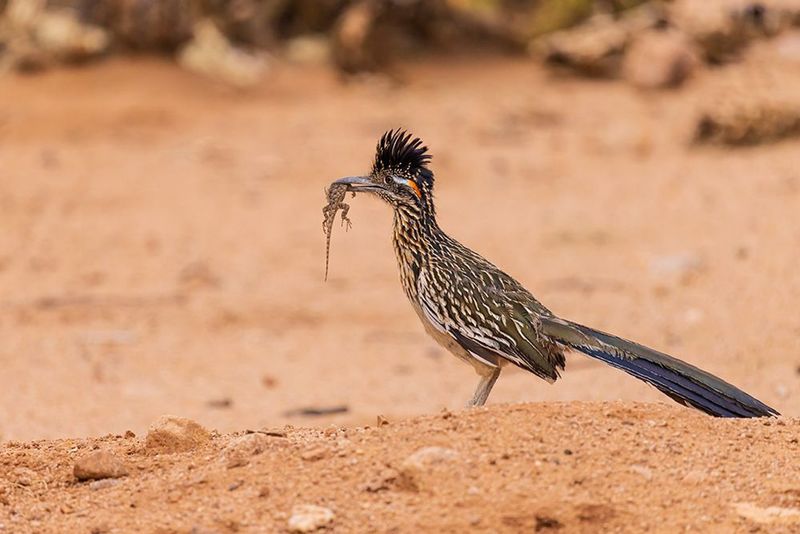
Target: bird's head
400 174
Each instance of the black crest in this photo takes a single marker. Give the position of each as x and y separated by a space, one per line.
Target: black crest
399 151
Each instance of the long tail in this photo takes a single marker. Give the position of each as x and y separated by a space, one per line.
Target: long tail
682 382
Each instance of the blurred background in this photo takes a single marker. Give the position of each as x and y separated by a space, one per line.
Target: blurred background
634 164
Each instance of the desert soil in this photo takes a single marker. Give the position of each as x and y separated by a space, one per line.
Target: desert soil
162 253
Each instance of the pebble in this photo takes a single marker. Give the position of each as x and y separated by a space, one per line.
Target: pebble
309 517
680 265
99 465
428 456
175 434
769 514
103 484
382 482
642 470
695 477
314 454
418 466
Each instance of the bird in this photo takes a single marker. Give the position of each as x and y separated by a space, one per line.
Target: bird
486 318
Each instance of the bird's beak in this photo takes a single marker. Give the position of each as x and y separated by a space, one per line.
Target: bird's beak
358 183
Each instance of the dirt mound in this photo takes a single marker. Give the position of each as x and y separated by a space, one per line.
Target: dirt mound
545 467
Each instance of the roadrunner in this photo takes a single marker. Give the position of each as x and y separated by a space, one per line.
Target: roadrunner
486 318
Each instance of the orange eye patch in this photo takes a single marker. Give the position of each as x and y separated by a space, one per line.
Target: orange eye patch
413 185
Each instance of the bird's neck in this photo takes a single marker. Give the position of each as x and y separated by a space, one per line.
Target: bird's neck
414 235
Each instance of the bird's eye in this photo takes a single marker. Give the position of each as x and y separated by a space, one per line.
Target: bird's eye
388 180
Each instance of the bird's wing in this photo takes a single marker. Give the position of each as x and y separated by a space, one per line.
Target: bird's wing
491 322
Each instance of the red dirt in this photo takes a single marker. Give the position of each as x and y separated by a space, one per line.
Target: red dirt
162 253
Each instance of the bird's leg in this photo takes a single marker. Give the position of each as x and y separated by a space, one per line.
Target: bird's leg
484 387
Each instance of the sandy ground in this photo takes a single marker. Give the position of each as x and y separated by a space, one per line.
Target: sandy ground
568 467
162 253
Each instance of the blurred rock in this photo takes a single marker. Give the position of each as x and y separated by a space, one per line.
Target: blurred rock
308 518
198 275
142 24
722 28
211 54
679 266
787 47
367 34
597 47
594 49
309 50
747 122
59 33
251 22
221 403
175 434
659 59
32 37
351 36
99 465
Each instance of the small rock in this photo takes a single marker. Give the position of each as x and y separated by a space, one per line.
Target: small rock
241 449
99 465
645 471
659 59
175 434
430 456
382 482
313 454
381 421
225 402
308 518
547 523
768 514
695 477
23 476
269 381
681 265
103 484
419 465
